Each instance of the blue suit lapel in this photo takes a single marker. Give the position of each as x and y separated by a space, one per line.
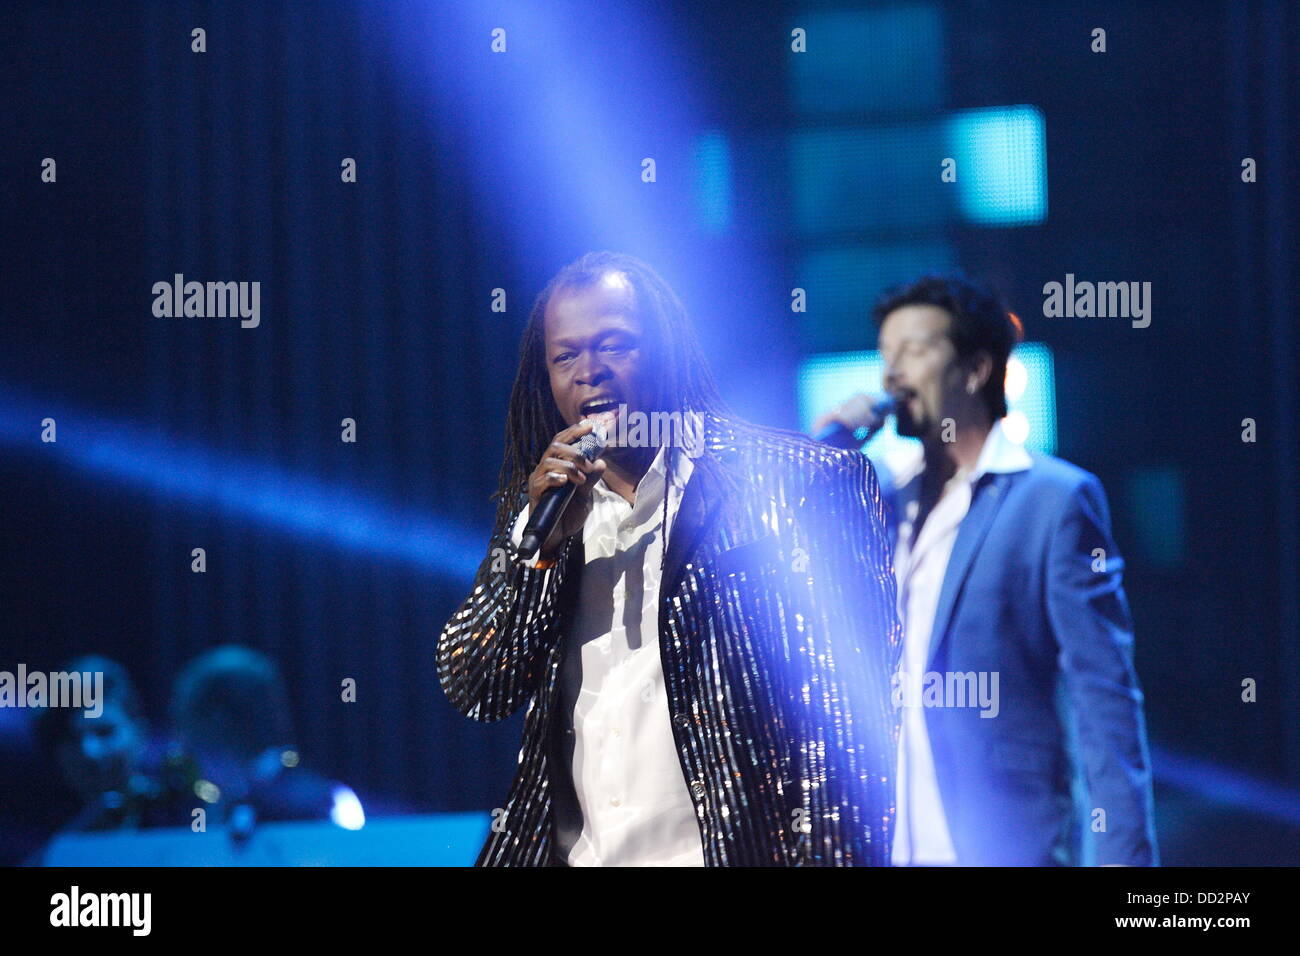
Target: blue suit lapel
988 495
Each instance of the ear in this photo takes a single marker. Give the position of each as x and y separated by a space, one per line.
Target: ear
981 369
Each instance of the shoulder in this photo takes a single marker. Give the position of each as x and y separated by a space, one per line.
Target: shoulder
1055 487
783 472
778 446
750 439
1053 475
789 454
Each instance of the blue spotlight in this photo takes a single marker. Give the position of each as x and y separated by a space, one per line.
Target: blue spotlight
1225 786
295 503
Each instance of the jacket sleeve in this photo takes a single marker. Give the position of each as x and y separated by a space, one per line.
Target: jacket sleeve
1094 633
849 641
492 652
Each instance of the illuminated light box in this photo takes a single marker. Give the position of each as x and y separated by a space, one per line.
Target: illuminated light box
713 194
875 60
882 178
870 180
1156 498
842 281
1001 155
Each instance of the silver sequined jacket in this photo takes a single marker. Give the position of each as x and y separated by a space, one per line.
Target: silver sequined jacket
778 635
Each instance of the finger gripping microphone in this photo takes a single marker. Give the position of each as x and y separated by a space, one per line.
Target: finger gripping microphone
551 505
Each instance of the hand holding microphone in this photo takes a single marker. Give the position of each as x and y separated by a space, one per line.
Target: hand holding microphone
559 489
841 425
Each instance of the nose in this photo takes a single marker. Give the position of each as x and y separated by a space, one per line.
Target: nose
592 369
889 377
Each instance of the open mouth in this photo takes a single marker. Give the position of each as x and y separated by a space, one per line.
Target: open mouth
598 406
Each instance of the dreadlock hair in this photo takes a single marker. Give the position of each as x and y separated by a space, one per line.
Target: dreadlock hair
678 374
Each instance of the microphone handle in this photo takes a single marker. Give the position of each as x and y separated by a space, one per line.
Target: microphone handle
842 436
839 435
552 502
542 521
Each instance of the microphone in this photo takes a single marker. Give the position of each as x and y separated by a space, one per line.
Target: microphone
868 416
553 501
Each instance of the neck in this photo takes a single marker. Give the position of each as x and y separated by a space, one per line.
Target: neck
625 469
943 459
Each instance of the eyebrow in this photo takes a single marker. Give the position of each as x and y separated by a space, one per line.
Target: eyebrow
603 333
919 336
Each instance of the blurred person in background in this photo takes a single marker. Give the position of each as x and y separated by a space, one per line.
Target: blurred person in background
230 712
110 762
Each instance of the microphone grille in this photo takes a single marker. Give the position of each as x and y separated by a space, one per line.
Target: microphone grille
593 443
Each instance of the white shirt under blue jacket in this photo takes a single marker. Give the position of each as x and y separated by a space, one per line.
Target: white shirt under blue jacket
1017 588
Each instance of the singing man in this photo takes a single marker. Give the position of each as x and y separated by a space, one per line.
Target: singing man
1009 582
705 642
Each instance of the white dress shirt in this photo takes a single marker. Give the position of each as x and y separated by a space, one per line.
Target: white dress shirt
627 776
921 834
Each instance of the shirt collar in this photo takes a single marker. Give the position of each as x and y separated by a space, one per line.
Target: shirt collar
999 455
652 481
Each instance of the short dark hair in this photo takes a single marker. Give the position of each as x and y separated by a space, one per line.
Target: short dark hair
979 322
52 724
234 699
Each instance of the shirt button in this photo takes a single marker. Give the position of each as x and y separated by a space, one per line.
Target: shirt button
697 788
617 732
682 721
615 802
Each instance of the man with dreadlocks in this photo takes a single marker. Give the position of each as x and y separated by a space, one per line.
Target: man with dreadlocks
706 641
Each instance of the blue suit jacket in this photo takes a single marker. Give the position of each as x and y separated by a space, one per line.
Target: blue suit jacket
1025 596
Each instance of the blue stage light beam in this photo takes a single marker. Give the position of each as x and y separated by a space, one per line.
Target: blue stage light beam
562 104
1225 786
294 503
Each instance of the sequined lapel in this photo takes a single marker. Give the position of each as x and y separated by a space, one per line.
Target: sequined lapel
702 502
711 518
